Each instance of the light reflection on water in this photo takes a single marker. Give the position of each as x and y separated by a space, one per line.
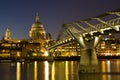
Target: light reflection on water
46 70
18 71
57 70
35 70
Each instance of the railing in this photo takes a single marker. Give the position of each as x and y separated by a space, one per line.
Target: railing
101 26
113 23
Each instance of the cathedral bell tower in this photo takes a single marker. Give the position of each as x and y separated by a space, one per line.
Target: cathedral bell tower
7 34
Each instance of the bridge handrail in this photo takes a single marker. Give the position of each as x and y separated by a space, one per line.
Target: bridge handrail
68 38
112 22
101 26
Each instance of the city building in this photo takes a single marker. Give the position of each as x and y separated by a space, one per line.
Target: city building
39 36
39 39
35 45
37 31
108 47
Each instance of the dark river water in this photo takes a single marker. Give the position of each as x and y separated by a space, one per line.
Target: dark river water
57 70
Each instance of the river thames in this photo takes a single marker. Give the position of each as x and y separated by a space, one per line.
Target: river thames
57 70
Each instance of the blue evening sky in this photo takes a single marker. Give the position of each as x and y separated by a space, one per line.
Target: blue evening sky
19 15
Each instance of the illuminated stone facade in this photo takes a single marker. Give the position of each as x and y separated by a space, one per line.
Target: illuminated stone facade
108 47
38 35
37 31
7 34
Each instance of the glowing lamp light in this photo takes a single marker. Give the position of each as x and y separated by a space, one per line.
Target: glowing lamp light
34 54
18 54
118 54
102 47
46 53
117 27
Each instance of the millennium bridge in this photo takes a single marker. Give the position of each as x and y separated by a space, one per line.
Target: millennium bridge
83 36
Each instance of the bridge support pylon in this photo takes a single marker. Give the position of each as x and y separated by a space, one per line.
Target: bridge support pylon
88 60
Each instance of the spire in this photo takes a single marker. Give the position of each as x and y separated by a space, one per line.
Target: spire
37 18
7 34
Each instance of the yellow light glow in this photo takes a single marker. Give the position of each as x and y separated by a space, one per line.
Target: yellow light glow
46 53
96 41
82 41
66 70
35 70
108 69
53 71
102 47
103 66
46 70
117 65
110 34
117 27
18 71
102 31
108 66
118 54
34 54
18 54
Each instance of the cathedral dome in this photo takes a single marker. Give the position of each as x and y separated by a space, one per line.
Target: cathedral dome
37 25
37 30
